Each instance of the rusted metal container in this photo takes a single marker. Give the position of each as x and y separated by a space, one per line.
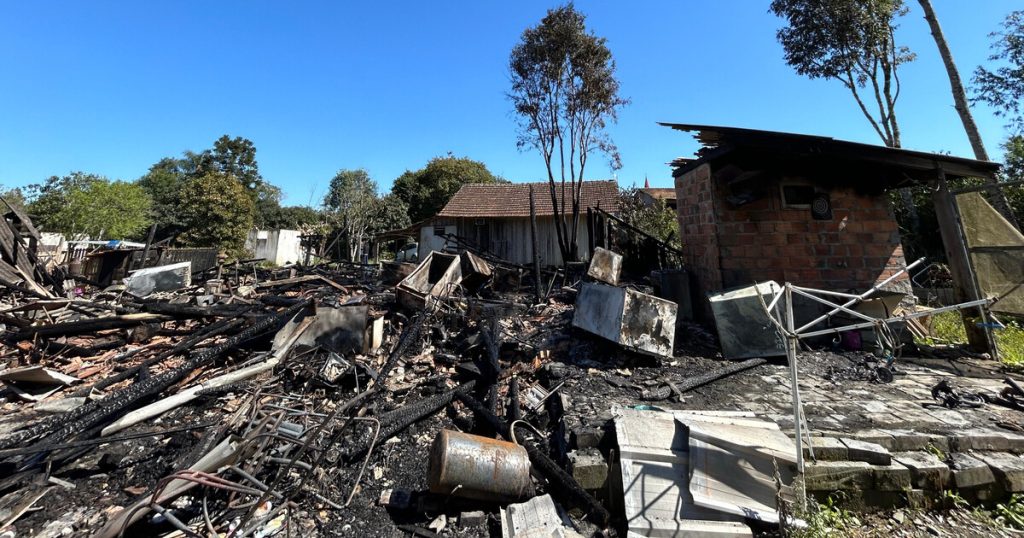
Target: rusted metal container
479 468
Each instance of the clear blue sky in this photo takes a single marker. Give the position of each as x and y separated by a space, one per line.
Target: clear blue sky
111 87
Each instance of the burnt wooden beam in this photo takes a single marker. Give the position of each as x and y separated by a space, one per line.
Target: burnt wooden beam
86 326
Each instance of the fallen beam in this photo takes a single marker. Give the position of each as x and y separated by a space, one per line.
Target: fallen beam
86 326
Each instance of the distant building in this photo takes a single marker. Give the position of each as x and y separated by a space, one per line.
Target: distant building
495 218
279 247
650 195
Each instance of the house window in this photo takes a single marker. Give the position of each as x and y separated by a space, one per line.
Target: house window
797 195
438 230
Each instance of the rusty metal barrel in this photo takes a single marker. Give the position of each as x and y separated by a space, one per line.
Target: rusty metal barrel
479 468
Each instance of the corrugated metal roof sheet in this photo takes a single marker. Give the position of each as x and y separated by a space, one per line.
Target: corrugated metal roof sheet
513 199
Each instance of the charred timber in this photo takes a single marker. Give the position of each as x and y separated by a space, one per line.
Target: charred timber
86 326
91 414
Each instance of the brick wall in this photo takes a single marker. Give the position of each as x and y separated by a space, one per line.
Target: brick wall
698 228
730 246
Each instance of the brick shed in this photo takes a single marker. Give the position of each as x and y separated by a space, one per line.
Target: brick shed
761 205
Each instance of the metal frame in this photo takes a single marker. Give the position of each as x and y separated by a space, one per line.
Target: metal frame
792 335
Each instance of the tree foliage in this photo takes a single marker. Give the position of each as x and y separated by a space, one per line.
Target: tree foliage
1013 170
292 218
88 204
13 196
656 219
350 206
1003 87
163 183
216 210
564 92
852 41
426 191
389 213
229 157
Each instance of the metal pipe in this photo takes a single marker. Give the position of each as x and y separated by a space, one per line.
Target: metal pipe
904 317
826 302
791 340
862 296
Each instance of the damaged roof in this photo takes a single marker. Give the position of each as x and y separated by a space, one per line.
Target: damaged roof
718 141
513 199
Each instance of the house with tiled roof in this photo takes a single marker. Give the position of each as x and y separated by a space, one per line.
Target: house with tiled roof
495 218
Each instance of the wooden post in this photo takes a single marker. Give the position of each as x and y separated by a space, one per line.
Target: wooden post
533 242
149 243
590 231
964 286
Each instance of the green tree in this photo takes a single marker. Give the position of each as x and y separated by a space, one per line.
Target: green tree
1003 87
389 213
13 196
1013 170
350 206
854 42
963 109
292 218
163 183
656 219
232 157
92 205
216 211
564 92
426 191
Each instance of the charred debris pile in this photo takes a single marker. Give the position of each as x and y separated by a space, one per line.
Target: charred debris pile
330 399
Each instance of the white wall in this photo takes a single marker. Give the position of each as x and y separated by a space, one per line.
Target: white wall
279 247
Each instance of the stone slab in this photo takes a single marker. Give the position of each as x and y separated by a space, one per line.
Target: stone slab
979 439
589 468
864 451
927 471
827 449
1008 469
892 477
838 475
970 472
908 441
879 437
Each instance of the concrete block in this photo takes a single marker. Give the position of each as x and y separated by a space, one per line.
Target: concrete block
589 468
838 475
472 519
827 449
940 442
979 439
590 437
926 470
892 477
878 437
865 451
1008 469
1015 441
908 441
970 472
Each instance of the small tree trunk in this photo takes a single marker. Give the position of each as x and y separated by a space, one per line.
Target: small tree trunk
996 195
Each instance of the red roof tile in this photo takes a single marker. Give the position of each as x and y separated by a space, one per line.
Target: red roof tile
513 199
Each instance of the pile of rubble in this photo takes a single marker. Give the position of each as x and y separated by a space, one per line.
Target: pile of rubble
438 399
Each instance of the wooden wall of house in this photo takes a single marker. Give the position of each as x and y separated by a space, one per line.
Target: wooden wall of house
510 238
507 238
